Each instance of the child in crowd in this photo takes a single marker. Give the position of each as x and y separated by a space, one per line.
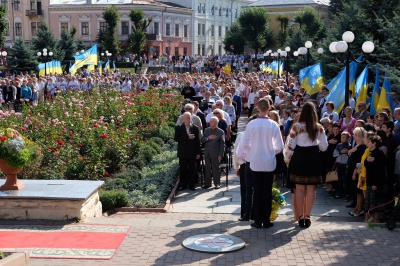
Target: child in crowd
340 153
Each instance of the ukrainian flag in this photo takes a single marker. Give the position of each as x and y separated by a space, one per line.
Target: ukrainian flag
311 78
99 67
273 67
362 87
107 66
352 80
385 98
73 69
227 68
375 93
114 68
337 91
335 80
86 58
41 69
90 68
54 67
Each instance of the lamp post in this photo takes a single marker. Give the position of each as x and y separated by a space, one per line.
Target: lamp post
306 51
3 58
106 55
44 57
343 47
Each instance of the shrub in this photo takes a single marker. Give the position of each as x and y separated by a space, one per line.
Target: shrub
130 173
147 152
154 145
111 199
157 140
115 159
116 183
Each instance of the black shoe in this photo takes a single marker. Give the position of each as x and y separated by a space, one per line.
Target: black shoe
301 221
307 222
217 186
205 187
244 219
256 225
268 225
351 205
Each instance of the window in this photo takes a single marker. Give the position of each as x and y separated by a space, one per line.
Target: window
203 8
33 28
184 51
212 10
124 27
176 51
85 28
18 29
203 29
156 28
198 48
16 4
212 30
33 5
198 29
219 49
64 26
103 26
226 30
227 11
219 31
220 11
167 29
203 49
185 31
236 13
177 30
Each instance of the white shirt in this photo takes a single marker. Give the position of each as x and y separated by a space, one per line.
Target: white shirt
238 155
262 140
332 116
226 117
352 103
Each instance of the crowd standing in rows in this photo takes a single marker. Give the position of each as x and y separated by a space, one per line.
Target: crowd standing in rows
364 147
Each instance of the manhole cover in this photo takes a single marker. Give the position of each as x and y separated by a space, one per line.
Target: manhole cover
214 243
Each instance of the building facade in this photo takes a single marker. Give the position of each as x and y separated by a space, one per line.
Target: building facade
24 17
169 31
211 21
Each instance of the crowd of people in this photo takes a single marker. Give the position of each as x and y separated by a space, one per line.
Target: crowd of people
285 125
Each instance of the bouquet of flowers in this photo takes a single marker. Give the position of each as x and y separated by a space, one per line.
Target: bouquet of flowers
278 200
16 150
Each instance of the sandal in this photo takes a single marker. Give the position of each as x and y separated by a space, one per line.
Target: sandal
301 221
307 222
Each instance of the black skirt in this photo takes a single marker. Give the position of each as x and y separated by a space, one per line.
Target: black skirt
305 166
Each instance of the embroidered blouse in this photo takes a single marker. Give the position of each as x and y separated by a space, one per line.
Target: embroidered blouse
299 136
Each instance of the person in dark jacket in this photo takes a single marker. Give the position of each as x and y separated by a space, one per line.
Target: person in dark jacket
187 136
188 91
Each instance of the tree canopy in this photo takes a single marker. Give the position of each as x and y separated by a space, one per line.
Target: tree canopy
137 40
254 24
45 39
109 40
3 25
22 57
233 41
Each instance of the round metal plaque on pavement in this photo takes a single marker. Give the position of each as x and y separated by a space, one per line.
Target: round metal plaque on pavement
213 243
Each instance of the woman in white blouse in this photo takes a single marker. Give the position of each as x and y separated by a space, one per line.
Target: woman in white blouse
306 139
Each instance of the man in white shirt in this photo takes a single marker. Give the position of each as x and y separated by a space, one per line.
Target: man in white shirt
262 140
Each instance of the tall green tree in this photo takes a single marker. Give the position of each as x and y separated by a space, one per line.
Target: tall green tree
254 24
137 40
45 39
3 25
67 44
22 57
233 40
109 40
283 33
311 23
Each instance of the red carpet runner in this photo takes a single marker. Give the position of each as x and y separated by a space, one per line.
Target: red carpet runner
77 241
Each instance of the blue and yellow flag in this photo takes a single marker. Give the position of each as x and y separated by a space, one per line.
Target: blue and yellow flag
53 67
90 68
86 58
385 98
362 87
114 68
107 66
100 67
311 78
335 80
352 79
227 68
375 93
337 91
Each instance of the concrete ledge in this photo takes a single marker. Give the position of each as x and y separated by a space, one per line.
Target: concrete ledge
16 259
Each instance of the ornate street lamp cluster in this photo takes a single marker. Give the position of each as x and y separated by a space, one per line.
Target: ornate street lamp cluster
45 56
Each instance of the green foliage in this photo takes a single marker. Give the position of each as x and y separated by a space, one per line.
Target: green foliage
110 41
164 132
117 183
157 180
45 39
22 57
311 23
254 23
3 25
234 37
147 152
137 40
115 158
111 199
67 44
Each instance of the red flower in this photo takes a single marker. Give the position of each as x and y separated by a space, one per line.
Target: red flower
70 133
96 125
103 136
3 138
106 174
60 142
148 103
80 144
169 101
23 129
35 128
139 126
